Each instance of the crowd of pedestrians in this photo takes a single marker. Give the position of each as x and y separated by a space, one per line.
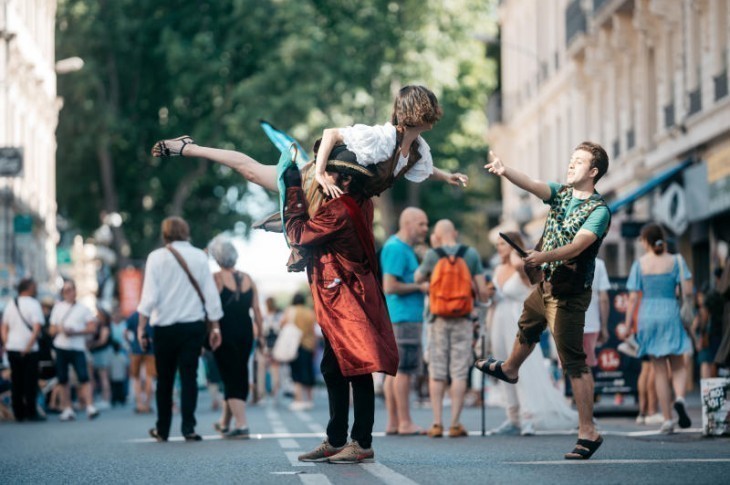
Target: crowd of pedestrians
422 317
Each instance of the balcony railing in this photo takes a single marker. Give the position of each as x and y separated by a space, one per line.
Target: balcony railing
575 21
720 85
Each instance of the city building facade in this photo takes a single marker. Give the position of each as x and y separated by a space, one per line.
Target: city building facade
29 110
648 79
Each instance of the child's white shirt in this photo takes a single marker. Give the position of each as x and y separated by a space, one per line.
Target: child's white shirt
375 144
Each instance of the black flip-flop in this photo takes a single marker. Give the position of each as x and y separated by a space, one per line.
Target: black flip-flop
484 366
584 449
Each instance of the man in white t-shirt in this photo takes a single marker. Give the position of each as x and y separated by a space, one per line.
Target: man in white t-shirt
71 322
596 326
21 325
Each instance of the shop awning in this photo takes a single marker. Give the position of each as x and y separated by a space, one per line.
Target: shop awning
648 186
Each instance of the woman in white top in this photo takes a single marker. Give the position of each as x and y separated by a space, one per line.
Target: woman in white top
415 111
71 322
21 325
533 403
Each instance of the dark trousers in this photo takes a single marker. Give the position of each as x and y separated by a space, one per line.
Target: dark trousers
177 348
24 384
338 390
119 392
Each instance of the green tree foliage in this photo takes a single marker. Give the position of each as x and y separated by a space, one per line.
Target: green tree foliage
211 69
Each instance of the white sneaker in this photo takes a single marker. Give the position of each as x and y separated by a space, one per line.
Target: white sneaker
667 427
527 429
640 419
657 418
67 415
92 412
299 406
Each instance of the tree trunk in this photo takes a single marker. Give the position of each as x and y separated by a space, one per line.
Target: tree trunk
111 198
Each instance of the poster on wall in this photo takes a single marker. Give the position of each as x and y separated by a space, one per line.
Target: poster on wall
715 406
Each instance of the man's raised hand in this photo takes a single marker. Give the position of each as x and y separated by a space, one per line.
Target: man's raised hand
494 164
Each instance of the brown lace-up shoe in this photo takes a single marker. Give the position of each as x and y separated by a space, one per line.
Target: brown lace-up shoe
353 453
321 453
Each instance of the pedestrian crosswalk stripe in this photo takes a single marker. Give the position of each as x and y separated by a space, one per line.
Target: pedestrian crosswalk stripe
388 476
314 479
294 460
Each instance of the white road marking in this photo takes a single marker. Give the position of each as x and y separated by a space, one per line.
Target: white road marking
288 443
622 462
314 479
292 456
388 476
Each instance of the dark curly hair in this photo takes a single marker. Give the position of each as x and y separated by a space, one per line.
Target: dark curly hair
599 160
415 106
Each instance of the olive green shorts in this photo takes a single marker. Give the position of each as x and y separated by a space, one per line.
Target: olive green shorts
566 318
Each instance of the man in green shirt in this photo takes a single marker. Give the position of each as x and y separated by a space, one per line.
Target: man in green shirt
577 222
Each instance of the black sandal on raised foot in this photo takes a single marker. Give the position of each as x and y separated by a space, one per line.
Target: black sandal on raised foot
171 148
584 449
497 372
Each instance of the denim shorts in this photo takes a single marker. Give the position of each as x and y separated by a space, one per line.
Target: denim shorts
75 358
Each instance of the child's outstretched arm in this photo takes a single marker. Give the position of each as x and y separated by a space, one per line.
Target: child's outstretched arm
456 178
331 137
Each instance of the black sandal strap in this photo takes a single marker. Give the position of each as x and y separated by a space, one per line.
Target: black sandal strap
585 449
497 372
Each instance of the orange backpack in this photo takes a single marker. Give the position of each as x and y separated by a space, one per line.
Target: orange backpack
451 294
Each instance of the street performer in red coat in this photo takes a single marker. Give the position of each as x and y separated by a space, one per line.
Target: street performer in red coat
348 301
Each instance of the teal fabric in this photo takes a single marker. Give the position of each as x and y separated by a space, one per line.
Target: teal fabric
285 161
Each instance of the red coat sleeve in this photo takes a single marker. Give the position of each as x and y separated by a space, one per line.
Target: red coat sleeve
321 228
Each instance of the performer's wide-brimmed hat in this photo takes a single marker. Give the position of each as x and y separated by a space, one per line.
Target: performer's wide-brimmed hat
344 161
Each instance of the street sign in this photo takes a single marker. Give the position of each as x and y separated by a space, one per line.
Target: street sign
11 162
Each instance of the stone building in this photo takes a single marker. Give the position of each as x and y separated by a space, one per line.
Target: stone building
648 79
28 117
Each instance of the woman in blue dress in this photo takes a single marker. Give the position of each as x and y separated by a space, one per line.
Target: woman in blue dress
661 334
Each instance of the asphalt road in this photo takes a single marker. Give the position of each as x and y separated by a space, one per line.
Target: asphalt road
115 449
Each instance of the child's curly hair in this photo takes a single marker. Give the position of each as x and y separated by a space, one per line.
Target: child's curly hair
415 106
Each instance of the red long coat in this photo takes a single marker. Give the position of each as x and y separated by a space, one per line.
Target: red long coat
348 301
